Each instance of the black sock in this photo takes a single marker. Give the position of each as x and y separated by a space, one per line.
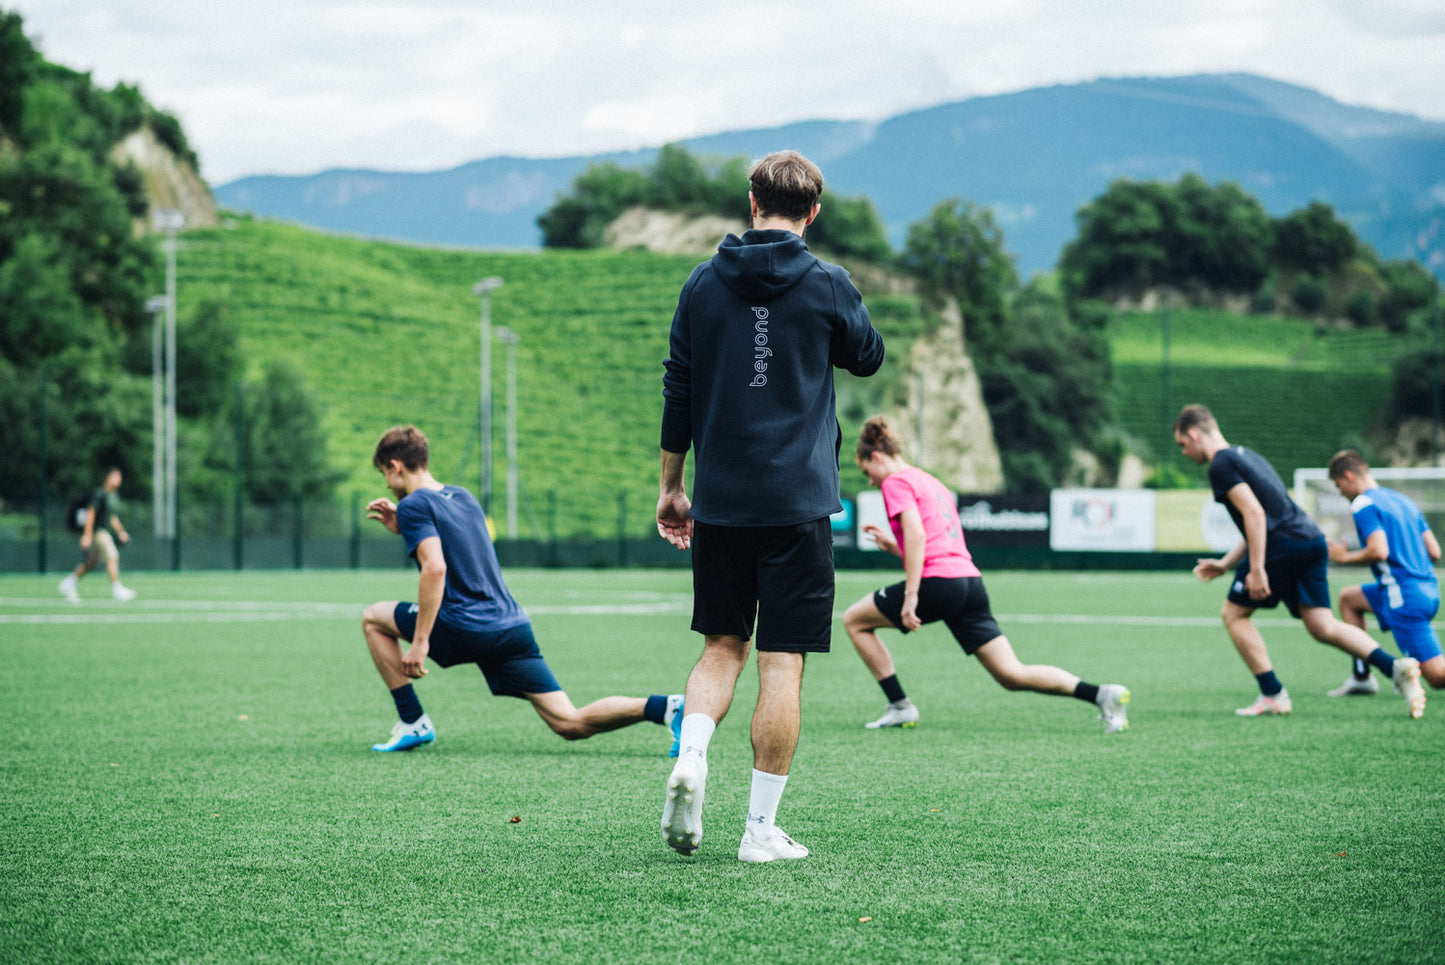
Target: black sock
1362 669
1269 684
1382 662
407 704
892 689
1089 692
655 709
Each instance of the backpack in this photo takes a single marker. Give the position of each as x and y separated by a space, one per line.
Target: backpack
75 515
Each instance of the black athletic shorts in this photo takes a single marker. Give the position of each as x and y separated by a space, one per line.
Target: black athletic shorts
780 577
1298 573
508 658
960 602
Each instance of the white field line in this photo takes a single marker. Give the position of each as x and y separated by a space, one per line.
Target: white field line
101 611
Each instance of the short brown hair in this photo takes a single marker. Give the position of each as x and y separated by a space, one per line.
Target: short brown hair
1195 417
786 185
407 444
1347 460
877 437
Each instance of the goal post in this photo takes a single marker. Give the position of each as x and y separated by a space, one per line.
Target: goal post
1331 511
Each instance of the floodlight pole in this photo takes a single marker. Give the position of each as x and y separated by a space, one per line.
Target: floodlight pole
483 290
170 221
157 306
510 339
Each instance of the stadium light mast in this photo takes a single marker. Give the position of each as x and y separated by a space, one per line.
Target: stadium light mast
170 221
158 305
510 339
483 290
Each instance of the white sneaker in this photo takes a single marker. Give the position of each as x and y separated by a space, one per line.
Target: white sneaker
757 848
896 717
122 593
1354 686
68 590
1407 685
682 812
1267 706
405 736
1112 700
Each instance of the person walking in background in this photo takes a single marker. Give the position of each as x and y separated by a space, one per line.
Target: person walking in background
99 537
1282 557
1401 551
941 582
464 612
749 388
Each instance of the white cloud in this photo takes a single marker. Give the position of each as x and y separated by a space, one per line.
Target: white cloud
303 85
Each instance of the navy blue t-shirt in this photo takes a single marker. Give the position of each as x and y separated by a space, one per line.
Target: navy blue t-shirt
476 597
1284 520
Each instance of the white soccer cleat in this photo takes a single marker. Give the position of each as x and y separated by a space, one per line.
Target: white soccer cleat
122 593
756 848
682 812
896 717
1354 686
1407 685
1267 706
406 736
68 590
1112 701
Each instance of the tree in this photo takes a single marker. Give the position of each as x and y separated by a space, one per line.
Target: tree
18 62
1123 240
850 227
1313 240
285 446
957 252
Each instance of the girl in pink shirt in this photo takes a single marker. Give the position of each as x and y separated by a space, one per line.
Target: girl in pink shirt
941 583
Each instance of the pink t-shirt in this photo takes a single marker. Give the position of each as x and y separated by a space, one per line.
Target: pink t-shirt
944 552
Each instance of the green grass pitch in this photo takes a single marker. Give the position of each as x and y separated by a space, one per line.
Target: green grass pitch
187 778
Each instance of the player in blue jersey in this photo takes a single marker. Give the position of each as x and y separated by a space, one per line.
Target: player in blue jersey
464 612
1397 544
1282 558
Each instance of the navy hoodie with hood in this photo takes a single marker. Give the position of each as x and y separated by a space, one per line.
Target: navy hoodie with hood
749 382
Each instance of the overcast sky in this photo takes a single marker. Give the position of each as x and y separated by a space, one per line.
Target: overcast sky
298 86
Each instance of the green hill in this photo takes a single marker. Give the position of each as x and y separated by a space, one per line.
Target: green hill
388 333
1292 390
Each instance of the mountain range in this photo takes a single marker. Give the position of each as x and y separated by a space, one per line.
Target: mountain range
1034 157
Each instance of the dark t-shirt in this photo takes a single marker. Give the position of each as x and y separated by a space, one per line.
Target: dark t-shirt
1284 520
476 597
107 506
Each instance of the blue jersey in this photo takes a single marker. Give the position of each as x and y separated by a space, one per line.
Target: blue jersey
476 598
1409 563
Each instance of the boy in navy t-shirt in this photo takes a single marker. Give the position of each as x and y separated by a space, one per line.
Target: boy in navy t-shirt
464 612
1282 557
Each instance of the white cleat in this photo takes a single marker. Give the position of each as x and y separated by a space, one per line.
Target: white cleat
1112 701
68 590
122 593
756 848
1267 706
405 737
1354 686
682 812
1407 685
896 717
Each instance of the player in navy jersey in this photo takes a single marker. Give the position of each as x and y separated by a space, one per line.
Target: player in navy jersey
1397 544
1282 558
464 612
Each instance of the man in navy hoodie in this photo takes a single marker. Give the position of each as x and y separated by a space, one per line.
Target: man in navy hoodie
748 387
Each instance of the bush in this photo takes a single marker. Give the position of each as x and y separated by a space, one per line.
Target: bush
1361 308
1309 294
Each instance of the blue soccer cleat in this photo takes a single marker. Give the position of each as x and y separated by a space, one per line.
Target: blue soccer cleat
676 726
405 737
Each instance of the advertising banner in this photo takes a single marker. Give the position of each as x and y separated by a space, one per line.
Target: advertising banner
1120 520
1003 520
1190 521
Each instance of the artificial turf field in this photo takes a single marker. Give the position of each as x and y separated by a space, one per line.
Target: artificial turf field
187 778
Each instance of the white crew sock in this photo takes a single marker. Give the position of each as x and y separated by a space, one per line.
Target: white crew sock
697 731
763 801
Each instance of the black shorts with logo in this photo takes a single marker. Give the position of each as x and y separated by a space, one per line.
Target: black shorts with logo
960 602
779 577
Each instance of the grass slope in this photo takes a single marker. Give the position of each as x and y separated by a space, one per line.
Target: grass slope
388 333
186 779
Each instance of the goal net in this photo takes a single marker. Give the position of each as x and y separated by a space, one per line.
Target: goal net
1331 511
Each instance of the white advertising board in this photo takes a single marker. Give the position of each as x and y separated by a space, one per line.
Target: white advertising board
1121 520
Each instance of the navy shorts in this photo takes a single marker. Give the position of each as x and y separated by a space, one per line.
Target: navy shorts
960 602
508 658
1298 574
779 577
